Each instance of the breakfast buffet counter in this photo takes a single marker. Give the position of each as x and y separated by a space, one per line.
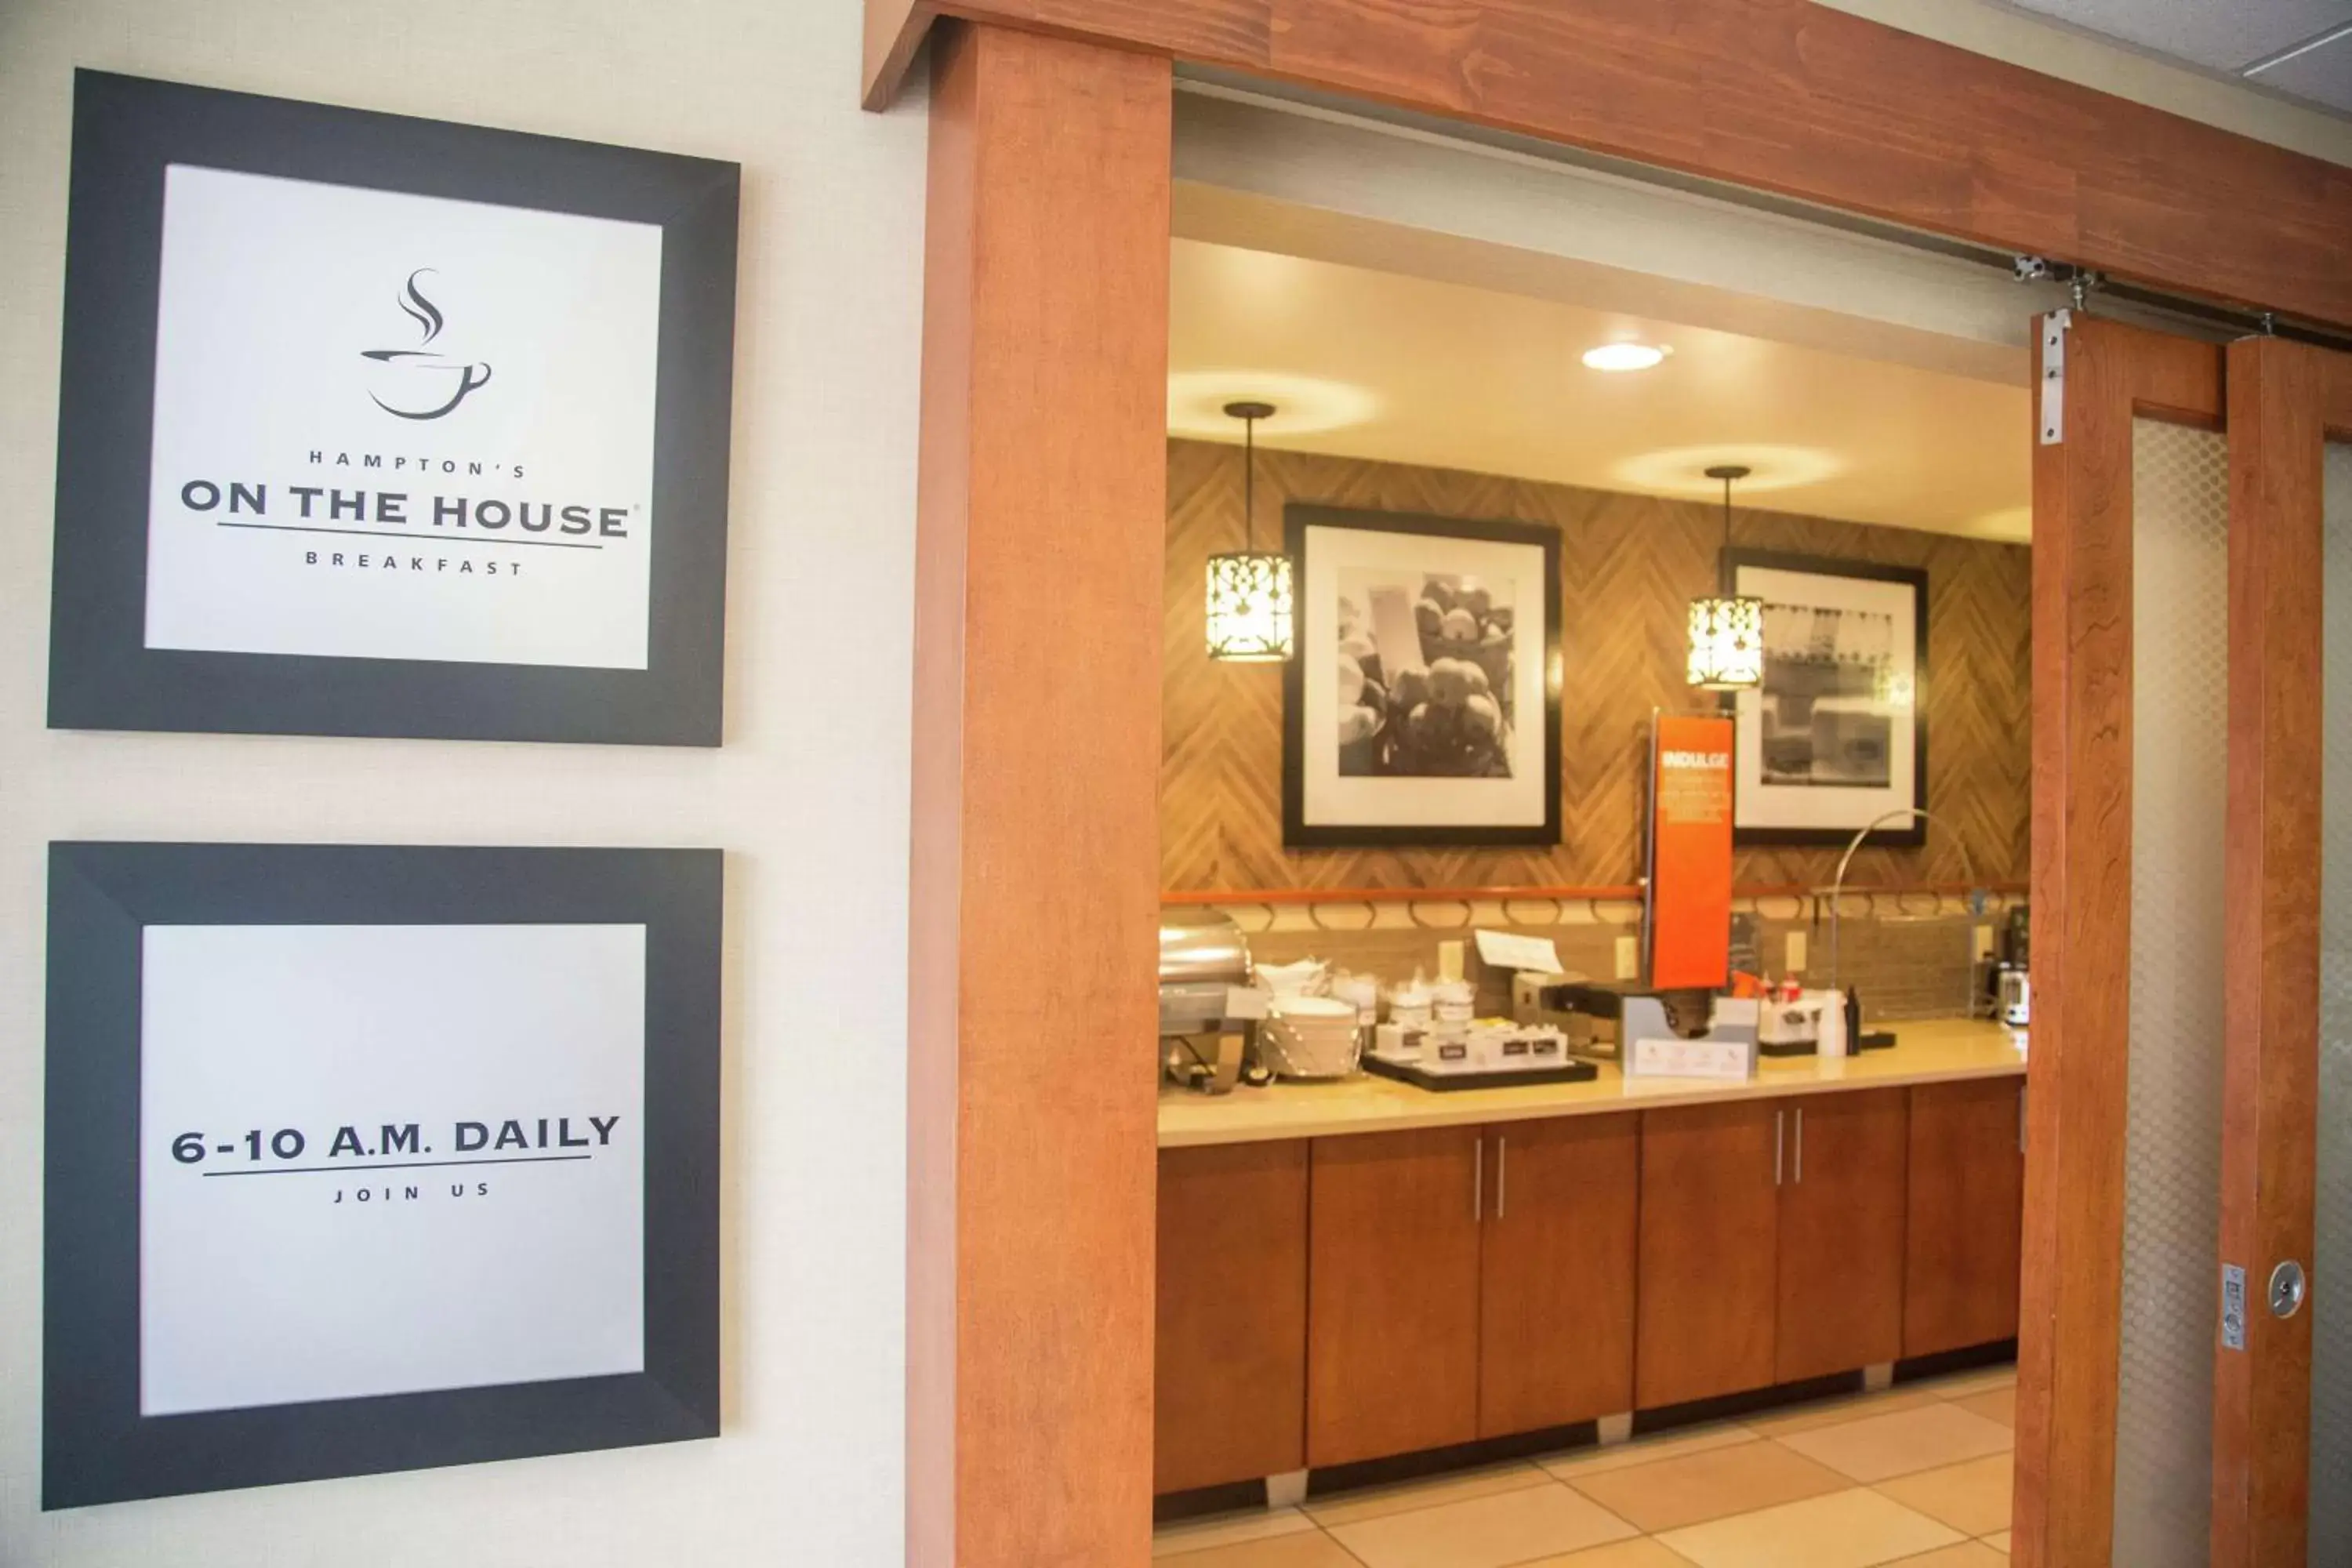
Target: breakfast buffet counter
1937 1050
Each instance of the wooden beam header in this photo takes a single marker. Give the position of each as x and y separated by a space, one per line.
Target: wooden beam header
1788 96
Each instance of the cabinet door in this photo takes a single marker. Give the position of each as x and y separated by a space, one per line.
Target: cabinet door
1707 1281
1842 1216
1393 1293
1556 1297
1230 1372
1967 1202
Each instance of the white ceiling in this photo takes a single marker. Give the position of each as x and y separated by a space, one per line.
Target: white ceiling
2302 47
1382 366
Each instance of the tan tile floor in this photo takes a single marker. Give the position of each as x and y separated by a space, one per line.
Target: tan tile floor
1915 1477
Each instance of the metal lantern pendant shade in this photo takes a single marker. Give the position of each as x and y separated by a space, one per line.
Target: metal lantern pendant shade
1726 643
1249 608
1727 632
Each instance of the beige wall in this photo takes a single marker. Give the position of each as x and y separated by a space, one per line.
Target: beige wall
808 795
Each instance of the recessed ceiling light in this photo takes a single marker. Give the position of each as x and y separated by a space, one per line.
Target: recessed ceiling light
1625 356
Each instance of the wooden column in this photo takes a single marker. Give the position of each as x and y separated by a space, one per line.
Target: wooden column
2261 1391
1035 838
2071 1297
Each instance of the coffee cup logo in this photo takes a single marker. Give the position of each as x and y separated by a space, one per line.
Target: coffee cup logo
420 383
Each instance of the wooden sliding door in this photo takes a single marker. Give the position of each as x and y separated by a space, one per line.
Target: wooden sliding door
2130 641
2283 1350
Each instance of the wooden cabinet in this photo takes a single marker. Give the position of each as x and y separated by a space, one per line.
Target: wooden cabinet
1840 1236
1556 1272
1470 1282
1349 1298
1393 1292
1708 1277
1772 1243
1231 1366
1966 1209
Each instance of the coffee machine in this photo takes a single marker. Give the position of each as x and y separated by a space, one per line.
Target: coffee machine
1600 1019
2010 990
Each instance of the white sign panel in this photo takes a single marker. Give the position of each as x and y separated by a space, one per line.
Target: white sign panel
389 426
388 1159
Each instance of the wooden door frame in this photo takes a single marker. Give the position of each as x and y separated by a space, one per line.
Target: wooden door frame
1031 1156
2286 402
1782 96
2071 1297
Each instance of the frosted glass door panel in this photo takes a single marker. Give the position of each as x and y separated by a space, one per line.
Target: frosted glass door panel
2331 1274
2172 1176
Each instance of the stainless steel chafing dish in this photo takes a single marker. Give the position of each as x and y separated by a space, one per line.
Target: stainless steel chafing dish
1206 1004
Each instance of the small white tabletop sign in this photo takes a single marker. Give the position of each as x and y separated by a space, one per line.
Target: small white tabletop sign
1504 950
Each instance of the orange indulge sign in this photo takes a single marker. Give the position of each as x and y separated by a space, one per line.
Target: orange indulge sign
1690 853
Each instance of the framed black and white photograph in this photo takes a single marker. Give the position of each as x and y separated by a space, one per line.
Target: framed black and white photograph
1423 706
375 425
1835 739
364 1159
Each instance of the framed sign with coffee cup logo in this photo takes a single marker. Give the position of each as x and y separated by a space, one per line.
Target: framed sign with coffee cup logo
364 1159
373 425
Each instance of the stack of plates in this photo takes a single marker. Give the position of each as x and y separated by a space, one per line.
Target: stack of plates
1309 1037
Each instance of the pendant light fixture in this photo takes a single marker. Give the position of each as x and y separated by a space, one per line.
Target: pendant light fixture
1727 632
1249 616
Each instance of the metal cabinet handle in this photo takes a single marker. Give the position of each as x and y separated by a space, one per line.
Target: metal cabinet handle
1776 1147
1800 1147
1478 1183
1502 1172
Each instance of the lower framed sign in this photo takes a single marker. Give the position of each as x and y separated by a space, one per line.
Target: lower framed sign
366 1159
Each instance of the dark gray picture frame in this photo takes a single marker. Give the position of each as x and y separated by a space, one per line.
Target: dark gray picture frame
127 131
1311 621
97 1447
1911 834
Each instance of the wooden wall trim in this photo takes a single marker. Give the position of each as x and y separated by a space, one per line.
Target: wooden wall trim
2071 1295
2336 396
1793 98
935 844
895 33
2262 1394
1035 882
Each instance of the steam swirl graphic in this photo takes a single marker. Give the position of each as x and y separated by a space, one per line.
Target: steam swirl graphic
420 309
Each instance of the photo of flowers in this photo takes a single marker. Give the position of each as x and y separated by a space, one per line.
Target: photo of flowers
1423 706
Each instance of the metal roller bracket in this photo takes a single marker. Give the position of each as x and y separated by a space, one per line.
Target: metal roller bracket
2053 376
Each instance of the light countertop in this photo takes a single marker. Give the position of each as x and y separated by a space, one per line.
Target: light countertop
1929 1051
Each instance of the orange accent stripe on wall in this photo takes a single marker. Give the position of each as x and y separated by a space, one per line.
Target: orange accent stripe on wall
1465 895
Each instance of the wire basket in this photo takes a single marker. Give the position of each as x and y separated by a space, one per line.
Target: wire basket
1310 1038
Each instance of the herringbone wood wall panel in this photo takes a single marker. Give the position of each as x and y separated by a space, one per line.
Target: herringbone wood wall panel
1630 565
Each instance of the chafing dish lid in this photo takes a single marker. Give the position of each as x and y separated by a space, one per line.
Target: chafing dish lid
1198 944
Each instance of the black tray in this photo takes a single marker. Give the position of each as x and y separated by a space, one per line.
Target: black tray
1871 1040
1501 1078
